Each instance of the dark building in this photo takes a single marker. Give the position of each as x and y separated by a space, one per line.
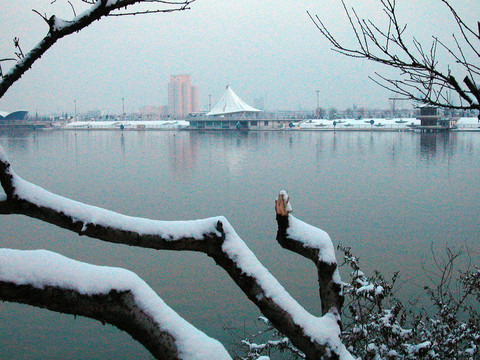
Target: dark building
13 118
429 116
432 121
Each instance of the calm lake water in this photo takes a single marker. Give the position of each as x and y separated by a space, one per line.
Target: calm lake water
392 197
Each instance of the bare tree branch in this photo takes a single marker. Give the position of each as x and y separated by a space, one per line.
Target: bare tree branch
465 30
59 28
421 76
16 42
73 9
44 16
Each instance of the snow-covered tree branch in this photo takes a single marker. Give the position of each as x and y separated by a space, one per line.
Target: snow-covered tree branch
35 278
110 295
59 28
317 337
379 325
315 245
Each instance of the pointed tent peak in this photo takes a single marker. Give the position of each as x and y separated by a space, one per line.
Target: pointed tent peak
231 103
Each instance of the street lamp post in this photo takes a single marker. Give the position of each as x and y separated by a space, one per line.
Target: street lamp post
318 103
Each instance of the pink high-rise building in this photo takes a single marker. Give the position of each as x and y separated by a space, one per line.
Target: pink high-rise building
182 96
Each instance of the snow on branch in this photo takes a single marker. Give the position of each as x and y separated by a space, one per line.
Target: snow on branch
314 244
58 28
317 337
28 199
110 295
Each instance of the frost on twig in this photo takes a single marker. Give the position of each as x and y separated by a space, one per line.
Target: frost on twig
268 341
377 325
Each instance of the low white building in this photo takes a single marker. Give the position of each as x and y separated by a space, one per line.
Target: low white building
232 113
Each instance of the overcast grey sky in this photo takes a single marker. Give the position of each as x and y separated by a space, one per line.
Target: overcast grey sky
262 48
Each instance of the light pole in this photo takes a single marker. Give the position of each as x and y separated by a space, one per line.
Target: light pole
75 116
123 108
318 103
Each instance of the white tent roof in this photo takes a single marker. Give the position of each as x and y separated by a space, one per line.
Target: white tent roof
231 103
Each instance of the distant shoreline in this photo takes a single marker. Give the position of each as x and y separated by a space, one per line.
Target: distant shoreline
469 124
266 130
244 125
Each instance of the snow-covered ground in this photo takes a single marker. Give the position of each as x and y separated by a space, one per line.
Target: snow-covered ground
464 123
370 123
400 124
127 125
468 123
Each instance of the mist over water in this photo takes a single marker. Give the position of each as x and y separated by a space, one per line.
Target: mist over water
392 197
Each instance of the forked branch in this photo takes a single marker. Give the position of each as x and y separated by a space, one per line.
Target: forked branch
315 245
317 337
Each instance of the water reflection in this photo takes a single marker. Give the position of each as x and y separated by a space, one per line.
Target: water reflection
319 148
183 152
17 139
427 145
16 131
369 191
122 145
432 143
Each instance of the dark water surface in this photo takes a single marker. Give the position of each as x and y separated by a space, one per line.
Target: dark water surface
392 197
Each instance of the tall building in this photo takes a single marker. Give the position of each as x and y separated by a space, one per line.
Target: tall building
182 96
